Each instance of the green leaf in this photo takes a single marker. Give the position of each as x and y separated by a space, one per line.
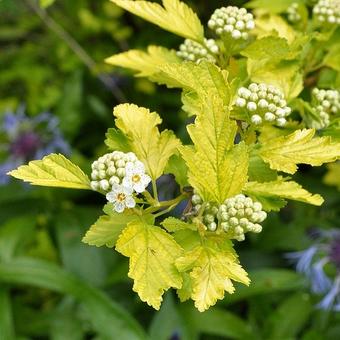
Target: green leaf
205 79
271 48
285 152
6 318
286 75
276 6
179 169
217 321
107 317
267 281
259 171
282 189
216 168
172 224
332 57
106 229
211 267
151 147
152 254
116 140
290 317
175 16
147 63
53 170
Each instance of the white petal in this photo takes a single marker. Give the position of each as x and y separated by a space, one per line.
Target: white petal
119 207
116 188
139 167
145 179
139 187
130 202
111 196
129 169
127 190
127 181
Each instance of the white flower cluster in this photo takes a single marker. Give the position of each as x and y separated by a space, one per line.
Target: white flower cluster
237 216
119 175
192 51
292 12
328 11
264 103
326 102
234 21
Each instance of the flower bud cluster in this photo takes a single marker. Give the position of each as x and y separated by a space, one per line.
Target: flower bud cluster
326 102
209 214
328 11
193 51
264 103
110 169
292 12
234 21
237 216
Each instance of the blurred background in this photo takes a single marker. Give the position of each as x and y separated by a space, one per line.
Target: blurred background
57 95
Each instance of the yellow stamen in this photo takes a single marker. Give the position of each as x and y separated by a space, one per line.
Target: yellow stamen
135 178
121 197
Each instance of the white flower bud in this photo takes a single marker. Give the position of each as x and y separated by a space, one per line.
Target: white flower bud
269 116
281 121
236 34
240 102
94 185
251 106
104 184
262 104
256 119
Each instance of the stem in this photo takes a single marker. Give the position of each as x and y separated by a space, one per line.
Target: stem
165 204
76 48
154 190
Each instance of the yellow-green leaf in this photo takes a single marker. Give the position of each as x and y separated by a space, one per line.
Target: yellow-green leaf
285 152
175 16
205 79
144 63
212 270
106 229
152 254
54 170
216 168
152 147
173 224
177 167
281 189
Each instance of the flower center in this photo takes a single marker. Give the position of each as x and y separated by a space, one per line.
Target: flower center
135 178
121 197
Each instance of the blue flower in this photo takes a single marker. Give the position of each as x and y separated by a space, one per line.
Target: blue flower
303 259
332 298
320 282
27 138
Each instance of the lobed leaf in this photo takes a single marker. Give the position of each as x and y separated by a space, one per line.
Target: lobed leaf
116 140
285 152
175 16
146 63
54 170
172 224
212 269
106 230
152 254
282 189
216 168
152 147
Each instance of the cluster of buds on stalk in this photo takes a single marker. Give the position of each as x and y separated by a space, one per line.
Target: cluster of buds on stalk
264 103
328 11
193 51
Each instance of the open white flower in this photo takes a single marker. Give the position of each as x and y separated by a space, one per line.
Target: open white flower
121 197
135 176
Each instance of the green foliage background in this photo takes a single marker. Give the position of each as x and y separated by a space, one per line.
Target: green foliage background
54 287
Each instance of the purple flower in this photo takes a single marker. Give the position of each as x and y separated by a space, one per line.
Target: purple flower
27 138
